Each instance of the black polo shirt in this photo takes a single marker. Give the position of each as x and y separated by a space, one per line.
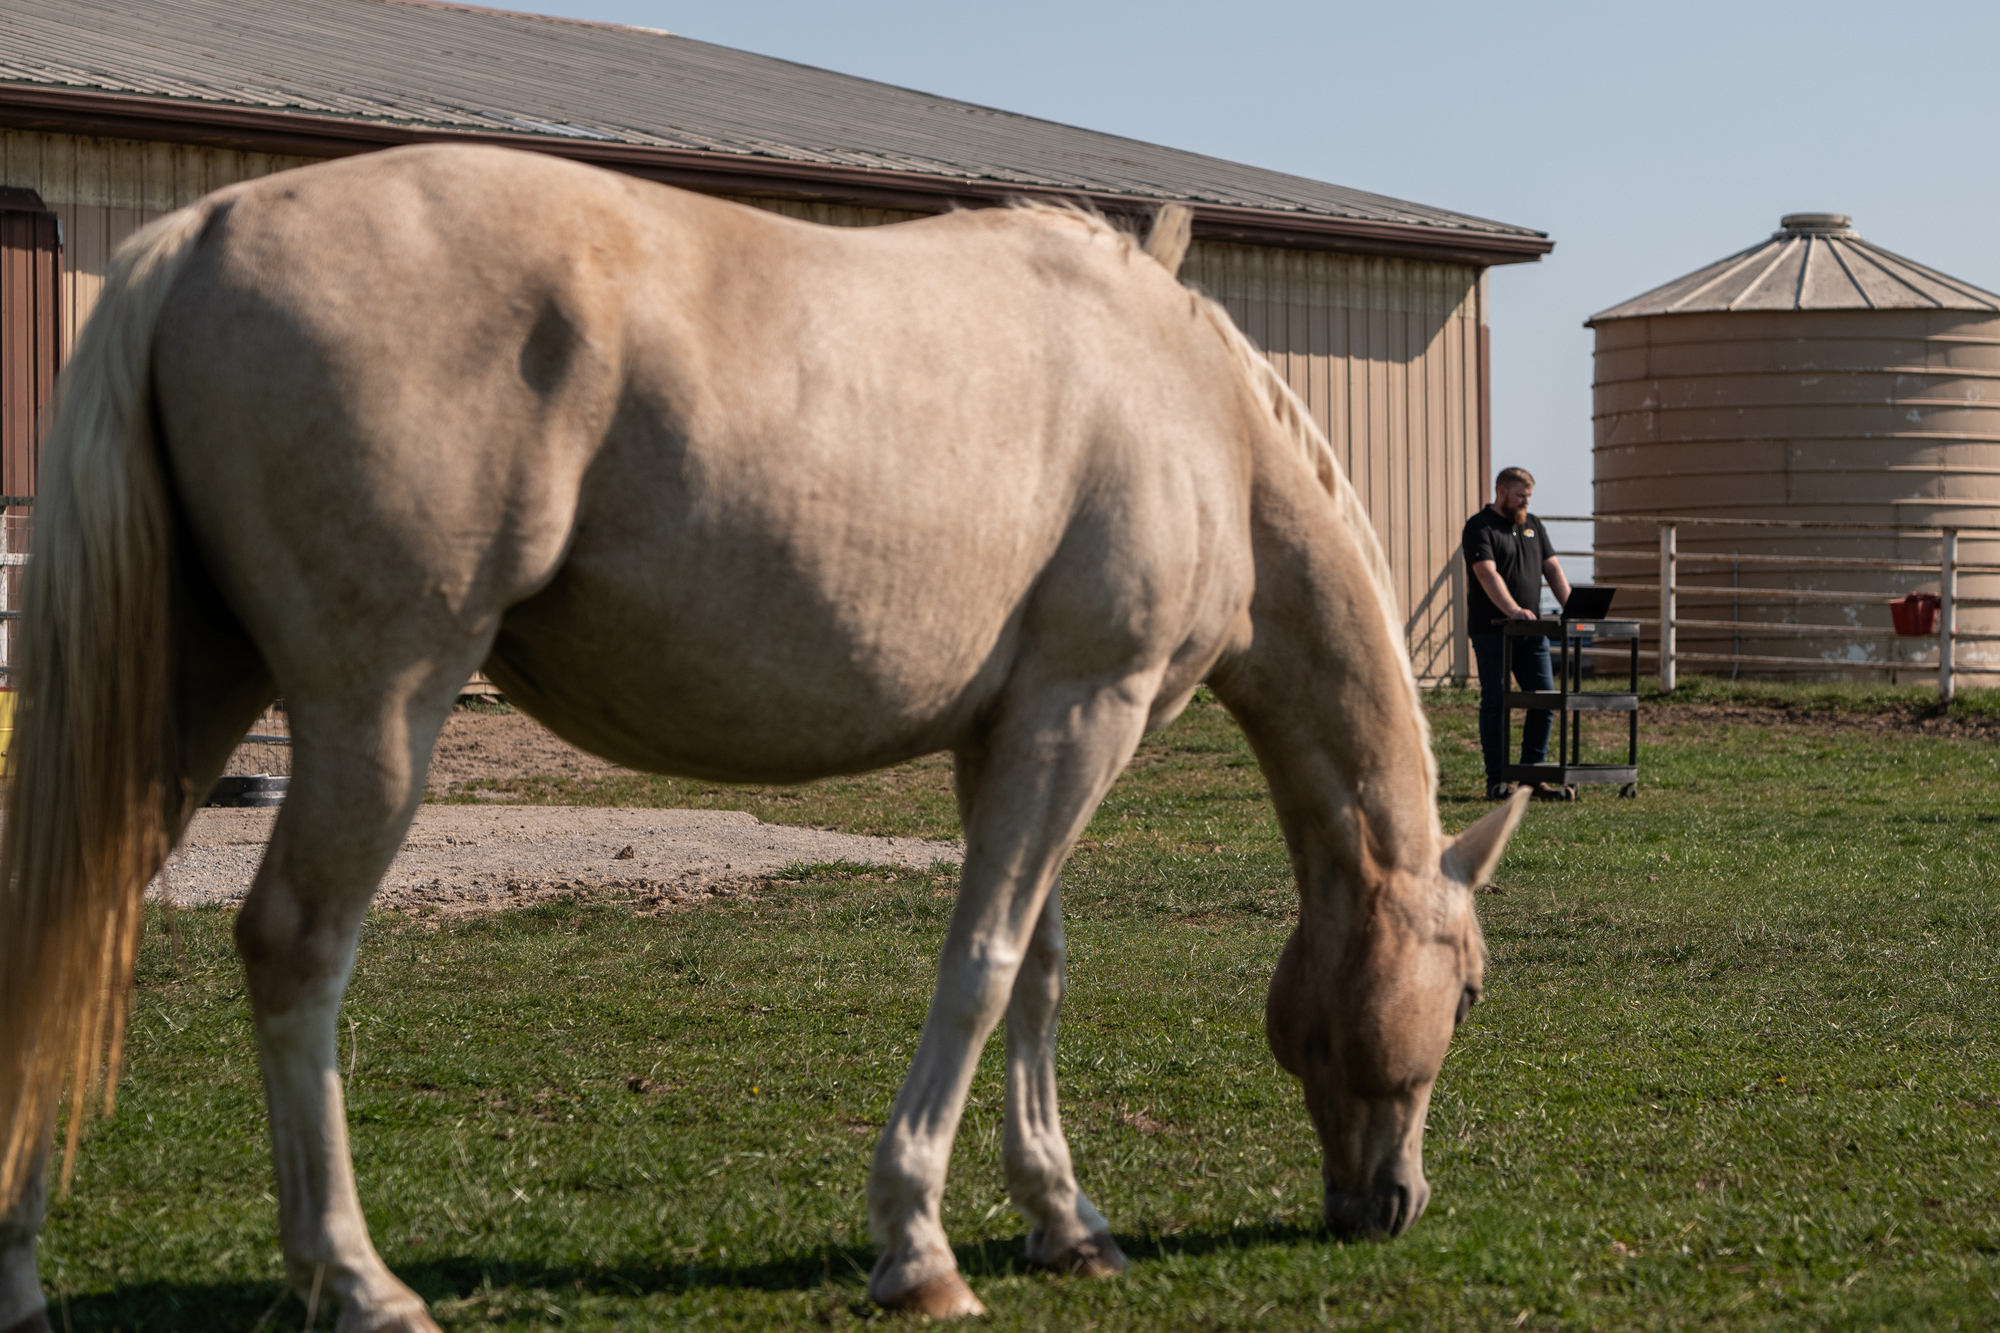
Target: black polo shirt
1517 551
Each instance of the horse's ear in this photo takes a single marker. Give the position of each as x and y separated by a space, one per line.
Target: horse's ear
1475 854
1173 228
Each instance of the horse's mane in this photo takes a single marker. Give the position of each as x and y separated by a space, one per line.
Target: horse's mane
1294 419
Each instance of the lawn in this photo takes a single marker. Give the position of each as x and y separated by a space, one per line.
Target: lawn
1736 1067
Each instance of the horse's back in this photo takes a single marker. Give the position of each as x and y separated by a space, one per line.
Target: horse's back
737 494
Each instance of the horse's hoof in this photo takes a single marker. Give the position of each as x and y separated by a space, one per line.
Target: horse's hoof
38 1322
943 1297
1098 1256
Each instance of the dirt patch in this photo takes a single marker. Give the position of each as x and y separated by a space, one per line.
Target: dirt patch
1911 721
1657 720
506 745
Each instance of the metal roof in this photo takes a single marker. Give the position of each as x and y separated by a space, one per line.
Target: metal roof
401 70
1814 261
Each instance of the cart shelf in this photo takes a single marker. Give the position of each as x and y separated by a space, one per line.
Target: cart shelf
1570 702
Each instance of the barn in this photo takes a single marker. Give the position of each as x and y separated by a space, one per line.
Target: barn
112 113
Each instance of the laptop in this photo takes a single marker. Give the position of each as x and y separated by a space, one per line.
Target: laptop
1588 603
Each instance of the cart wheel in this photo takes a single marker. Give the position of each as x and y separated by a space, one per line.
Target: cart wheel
1570 792
1629 791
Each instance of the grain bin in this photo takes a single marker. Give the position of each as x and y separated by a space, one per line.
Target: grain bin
1813 376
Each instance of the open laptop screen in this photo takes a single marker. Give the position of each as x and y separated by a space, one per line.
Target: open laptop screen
1588 603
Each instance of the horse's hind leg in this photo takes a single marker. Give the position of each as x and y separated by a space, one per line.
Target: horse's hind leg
1066 1232
358 776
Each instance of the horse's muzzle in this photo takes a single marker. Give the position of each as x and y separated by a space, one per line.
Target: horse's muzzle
1387 1210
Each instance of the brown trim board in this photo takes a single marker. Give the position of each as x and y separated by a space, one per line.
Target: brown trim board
57 110
1485 407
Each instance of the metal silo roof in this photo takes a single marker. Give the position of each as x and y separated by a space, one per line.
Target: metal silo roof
1814 261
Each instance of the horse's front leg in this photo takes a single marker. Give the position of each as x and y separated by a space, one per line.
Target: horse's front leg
1065 1232
1027 794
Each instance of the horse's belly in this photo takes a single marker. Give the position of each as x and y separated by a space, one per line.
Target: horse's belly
750 674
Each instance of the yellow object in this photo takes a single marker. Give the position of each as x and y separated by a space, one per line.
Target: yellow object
6 727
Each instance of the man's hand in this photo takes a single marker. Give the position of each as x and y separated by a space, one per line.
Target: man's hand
1488 575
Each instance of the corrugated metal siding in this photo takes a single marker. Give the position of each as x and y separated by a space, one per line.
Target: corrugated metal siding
103 190
1386 354
1384 351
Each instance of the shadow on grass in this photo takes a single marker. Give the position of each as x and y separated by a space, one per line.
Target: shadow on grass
841 1270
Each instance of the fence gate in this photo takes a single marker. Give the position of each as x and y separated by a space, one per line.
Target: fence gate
1689 594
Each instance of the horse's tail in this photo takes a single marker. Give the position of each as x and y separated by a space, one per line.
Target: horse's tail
94 786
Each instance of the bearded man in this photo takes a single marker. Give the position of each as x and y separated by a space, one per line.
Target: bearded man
1508 552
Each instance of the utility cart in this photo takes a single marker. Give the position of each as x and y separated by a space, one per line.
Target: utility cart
1567 645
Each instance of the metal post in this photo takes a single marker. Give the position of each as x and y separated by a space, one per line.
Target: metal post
1666 608
6 578
1947 595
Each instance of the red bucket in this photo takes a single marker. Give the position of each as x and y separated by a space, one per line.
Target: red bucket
1915 615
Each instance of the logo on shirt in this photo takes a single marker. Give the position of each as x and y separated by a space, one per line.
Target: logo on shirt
1527 532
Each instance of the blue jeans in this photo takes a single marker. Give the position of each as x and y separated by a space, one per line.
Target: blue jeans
1532 671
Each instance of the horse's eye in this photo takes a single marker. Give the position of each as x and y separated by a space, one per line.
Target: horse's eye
1466 999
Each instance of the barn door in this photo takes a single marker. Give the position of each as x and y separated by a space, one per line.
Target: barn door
30 345
30 333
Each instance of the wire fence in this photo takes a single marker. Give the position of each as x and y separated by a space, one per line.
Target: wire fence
267 750
1683 575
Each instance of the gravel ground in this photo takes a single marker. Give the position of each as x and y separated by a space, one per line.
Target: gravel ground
460 860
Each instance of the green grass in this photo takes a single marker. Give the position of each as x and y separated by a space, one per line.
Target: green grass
1736 1069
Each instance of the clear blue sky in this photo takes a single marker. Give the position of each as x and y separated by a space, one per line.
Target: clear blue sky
1647 140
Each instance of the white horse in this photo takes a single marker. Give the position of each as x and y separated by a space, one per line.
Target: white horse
710 492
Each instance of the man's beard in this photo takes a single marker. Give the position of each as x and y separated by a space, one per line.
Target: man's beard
1512 515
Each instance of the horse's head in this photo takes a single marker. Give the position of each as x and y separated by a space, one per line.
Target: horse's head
1366 996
